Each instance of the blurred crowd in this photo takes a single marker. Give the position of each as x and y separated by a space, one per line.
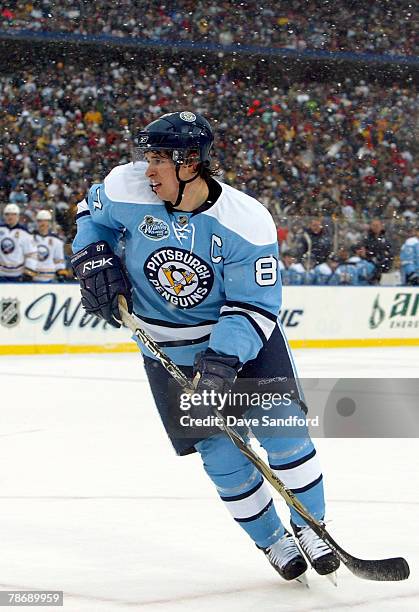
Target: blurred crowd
312 261
378 27
344 151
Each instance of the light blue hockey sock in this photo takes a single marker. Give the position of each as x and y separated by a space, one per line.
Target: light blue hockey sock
242 489
293 458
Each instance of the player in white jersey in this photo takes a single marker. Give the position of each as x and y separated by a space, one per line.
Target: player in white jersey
18 259
202 277
50 250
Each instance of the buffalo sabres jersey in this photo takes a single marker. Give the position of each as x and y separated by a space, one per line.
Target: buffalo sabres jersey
50 253
17 251
202 278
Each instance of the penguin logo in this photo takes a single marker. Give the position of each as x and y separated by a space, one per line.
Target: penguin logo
182 278
178 278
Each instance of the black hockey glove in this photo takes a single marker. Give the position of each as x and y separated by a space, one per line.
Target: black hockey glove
214 372
61 276
412 279
102 278
26 277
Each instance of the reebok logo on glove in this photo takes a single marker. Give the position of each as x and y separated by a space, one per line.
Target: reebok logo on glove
98 263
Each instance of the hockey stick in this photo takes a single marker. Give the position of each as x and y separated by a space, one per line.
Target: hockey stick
378 569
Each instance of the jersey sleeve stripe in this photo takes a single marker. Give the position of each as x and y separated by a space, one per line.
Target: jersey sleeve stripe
265 325
82 205
161 323
176 335
5 267
85 213
253 307
247 316
185 342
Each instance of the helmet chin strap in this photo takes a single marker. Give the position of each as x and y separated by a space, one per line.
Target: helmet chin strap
182 185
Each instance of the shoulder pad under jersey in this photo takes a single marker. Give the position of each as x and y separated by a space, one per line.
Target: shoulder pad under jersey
244 216
128 183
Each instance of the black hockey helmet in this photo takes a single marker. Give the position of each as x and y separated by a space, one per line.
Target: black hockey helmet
181 133
187 137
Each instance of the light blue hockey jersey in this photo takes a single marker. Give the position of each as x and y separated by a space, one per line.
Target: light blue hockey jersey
365 269
206 278
295 274
322 274
409 257
345 274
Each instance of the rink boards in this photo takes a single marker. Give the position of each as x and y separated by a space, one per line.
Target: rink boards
48 318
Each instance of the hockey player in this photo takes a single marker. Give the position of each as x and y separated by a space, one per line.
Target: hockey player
202 266
325 273
409 259
17 250
292 272
50 250
365 268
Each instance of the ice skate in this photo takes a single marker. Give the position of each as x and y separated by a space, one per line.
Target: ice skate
318 553
286 558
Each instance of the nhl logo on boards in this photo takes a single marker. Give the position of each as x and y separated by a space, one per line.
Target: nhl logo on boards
153 228
9 312
180 277
187 116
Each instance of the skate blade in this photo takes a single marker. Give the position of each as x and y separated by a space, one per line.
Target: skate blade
333 578
303 580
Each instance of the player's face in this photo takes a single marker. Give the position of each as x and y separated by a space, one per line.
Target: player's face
11 219
162 176
43 226
161 173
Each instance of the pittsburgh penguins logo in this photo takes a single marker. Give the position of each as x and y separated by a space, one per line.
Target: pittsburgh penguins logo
43 252
180 277
7 246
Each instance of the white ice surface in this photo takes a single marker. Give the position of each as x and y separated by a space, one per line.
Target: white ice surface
94 502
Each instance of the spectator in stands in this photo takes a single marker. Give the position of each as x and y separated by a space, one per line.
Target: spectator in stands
379 250
314 244
295 144
409 259
378 27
